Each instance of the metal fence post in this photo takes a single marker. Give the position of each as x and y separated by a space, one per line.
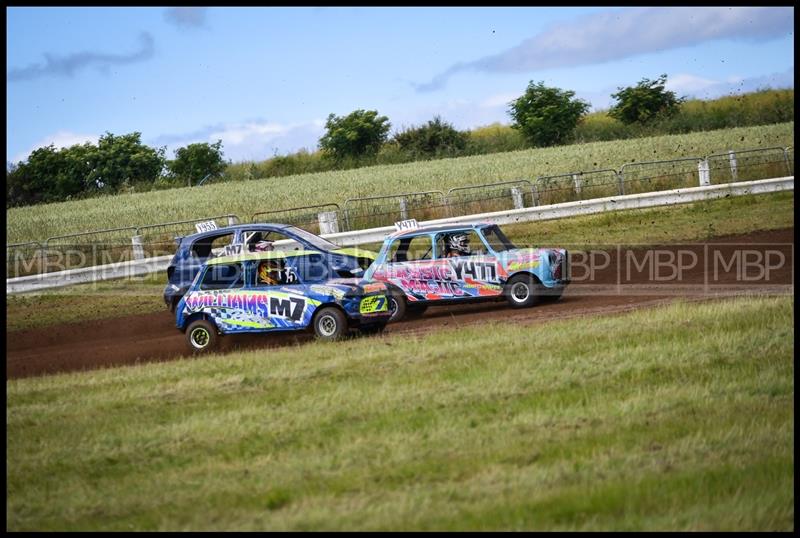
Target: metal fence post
516 195
577 181
786 160
703 172
734 169
403 209
621 183
328 222
138 247
232 219
43 258
535 194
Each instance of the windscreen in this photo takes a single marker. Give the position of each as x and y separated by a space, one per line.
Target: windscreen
497 239
316 241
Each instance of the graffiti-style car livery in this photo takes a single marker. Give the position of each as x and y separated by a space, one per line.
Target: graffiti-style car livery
195 249
423 267
277 291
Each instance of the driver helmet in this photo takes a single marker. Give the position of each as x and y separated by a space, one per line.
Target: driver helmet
458 243
269 272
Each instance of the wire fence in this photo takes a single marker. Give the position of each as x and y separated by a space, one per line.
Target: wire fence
314 218
578 186
115 245
376 211
655 176
86 249
23 259
749 164
490 197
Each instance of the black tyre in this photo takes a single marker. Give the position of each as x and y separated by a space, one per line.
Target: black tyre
201 335
330 324
523 291
397 305
415 310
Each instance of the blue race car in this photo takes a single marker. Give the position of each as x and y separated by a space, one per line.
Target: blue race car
277 291
457 263
195 249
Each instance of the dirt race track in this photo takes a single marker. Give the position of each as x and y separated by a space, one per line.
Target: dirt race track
614 280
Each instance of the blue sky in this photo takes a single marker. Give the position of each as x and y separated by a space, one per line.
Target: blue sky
263 80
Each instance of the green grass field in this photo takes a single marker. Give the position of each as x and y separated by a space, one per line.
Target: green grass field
676 418
687 222
36 223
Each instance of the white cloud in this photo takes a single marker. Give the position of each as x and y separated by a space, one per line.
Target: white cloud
623 33
684 82
61 139
254 140
499 100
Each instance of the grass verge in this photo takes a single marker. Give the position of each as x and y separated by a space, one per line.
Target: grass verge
676 418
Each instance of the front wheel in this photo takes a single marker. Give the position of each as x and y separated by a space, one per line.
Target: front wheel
523 291
201 335
397 305
330 324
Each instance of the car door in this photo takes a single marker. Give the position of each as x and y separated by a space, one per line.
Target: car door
220 293
411 267
475 273
281 291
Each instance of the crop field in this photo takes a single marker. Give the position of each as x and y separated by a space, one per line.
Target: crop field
675 418
248 197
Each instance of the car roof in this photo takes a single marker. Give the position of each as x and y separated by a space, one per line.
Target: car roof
247 226
424 230
269 255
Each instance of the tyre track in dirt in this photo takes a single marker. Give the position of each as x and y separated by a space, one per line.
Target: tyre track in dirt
153 337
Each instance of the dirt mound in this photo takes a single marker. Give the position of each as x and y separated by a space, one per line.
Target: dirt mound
605 280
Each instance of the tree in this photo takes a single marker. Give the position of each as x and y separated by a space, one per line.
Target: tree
434 139
195 161
356 135
646 102
547 116
121 160
49 175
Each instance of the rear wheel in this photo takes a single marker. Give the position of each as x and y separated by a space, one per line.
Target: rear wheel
330 324
201 335
397 305
523 291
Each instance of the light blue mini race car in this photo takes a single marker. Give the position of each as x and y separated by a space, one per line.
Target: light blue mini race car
458 263
277 291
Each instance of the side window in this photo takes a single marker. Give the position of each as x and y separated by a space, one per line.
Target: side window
258 241
222 277
213 245
276 272
460 243
411 249
311 268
